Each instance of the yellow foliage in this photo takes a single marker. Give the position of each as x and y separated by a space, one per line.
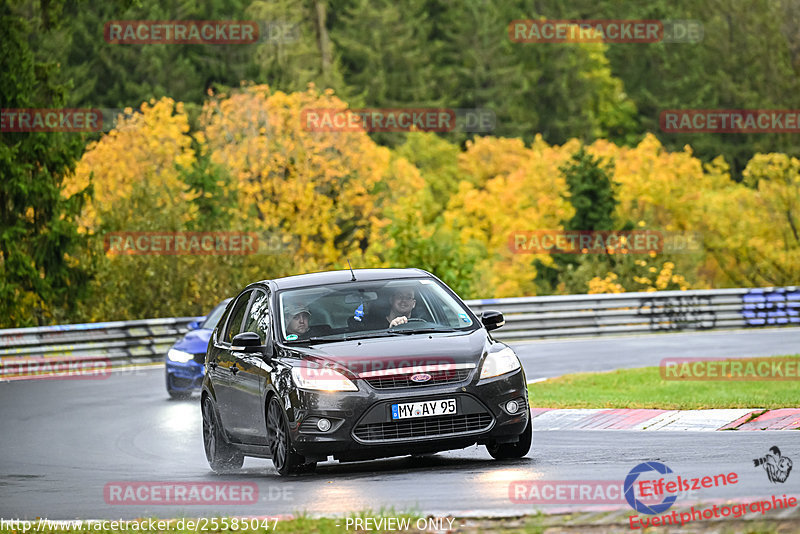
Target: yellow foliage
322 188
148 148
753 228
335 195
605 285
509 188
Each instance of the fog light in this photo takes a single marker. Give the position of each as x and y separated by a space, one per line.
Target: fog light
324 425
512 406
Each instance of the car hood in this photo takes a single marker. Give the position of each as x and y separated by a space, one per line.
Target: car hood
401 351
194 342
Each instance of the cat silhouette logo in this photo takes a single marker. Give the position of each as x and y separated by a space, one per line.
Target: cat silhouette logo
777 467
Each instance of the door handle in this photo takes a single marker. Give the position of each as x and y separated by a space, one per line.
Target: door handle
234 369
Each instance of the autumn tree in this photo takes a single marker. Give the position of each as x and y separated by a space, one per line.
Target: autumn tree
321 190
751 229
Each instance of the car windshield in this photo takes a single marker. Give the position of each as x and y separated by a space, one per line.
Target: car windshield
367 309
212 319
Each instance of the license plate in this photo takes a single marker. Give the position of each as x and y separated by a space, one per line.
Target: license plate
423 409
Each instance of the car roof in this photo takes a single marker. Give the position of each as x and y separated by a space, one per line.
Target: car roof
335 277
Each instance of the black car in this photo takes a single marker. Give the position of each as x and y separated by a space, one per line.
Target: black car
358 365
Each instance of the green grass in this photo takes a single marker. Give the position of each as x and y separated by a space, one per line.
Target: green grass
645 388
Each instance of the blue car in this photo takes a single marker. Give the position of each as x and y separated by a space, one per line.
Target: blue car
185 360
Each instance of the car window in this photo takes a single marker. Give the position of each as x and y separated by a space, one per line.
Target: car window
340 310
258 316
234 325
213 318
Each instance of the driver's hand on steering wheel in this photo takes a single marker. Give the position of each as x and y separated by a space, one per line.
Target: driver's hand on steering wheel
398 320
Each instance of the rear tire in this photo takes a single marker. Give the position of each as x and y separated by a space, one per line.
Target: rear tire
508 451
221 456
284 458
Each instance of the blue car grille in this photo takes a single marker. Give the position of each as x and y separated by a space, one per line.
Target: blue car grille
200 357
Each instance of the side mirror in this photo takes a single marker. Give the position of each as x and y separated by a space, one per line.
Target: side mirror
246 342
492 320
194 325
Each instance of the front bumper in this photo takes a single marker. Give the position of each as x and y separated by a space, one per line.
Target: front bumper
184 376
363 428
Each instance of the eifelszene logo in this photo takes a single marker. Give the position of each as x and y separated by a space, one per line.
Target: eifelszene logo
777 467
630 495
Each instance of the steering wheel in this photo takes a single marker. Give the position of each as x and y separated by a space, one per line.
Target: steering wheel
411 320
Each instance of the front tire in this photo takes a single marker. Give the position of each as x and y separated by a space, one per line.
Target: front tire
508 451
179 395
221 456
285 460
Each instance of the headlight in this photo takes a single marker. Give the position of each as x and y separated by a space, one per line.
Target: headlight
499 363
179 356
321 379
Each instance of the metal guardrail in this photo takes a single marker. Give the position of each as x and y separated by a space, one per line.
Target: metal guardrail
526 318
657 311
26 350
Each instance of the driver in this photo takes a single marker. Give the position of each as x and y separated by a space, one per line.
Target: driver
402 303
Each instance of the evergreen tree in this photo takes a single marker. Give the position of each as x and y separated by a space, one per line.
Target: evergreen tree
386 51
561 91
591 193
305 54
40 279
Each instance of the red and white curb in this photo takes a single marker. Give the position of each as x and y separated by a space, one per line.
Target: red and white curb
669 420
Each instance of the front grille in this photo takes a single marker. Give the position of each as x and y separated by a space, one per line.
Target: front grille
200 357
446 425
446 376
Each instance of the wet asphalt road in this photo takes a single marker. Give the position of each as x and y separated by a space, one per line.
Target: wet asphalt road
64 441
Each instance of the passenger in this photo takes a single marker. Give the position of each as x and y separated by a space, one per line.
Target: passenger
298 318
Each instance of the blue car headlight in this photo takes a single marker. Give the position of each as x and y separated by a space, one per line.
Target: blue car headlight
179 356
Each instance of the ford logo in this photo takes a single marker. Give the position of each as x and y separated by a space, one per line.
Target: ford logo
421 377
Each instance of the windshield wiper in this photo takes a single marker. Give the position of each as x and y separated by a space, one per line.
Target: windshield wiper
317 339
381 333
427 330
